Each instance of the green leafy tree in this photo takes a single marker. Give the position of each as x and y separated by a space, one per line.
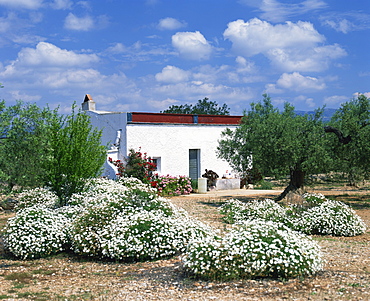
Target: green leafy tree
76 154
24 146
40 147
204 106
350 143
276 143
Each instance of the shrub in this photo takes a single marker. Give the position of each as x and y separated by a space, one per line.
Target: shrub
171 186
236 211
331 218
36 232
37 196
252 249
148 235
137 165
316 215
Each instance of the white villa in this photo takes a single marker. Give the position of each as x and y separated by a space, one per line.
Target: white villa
180 144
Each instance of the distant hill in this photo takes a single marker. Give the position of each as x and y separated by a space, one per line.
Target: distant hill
328 113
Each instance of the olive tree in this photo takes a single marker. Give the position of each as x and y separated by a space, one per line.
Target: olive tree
277 143
349 138
24 144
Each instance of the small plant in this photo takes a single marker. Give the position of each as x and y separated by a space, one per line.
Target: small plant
137 165
37 196
36 232
254 249
237 211
171 186
264 185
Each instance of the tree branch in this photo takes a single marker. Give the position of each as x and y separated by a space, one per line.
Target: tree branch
342 139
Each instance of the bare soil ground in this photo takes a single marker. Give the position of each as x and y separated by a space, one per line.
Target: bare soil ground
66 277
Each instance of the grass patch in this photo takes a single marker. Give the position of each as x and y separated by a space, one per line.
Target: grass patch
34 296
21 277
44 272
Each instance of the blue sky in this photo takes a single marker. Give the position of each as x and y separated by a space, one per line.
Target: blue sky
145 55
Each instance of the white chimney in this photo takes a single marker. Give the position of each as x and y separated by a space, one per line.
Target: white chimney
88 104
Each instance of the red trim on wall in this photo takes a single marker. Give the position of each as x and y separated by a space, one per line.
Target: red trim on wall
139 117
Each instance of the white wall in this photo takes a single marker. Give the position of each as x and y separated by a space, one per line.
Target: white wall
171 142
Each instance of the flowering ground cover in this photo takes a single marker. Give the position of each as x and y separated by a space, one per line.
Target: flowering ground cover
65 276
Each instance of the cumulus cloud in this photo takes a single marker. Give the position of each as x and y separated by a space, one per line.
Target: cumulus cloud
296 82
73 22
289 46
172 74
192 45
49 55
276 11
170 24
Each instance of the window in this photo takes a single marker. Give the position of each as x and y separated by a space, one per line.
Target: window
157 161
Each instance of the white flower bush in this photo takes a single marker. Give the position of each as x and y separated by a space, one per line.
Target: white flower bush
37 196
149 235
331 218
254 248
36 232
316 215
235 210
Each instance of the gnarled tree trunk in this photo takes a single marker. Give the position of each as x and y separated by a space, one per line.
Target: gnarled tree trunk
296 182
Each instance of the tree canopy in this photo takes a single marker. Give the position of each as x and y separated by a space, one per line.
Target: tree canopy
43 148
204 106
277 143
350 138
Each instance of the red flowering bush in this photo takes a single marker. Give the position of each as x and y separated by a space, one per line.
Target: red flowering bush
170 186
137 165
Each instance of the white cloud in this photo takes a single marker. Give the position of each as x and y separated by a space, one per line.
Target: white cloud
25 4
172 74
296 82
335 100
170 24
256 36
73 22
289 46
192 45
276 11
162 104
343 26
61 4
49 55
346 22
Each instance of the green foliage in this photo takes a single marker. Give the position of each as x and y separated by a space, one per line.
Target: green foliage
76 154
281 143
352 119
42 148
25 146
202 107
